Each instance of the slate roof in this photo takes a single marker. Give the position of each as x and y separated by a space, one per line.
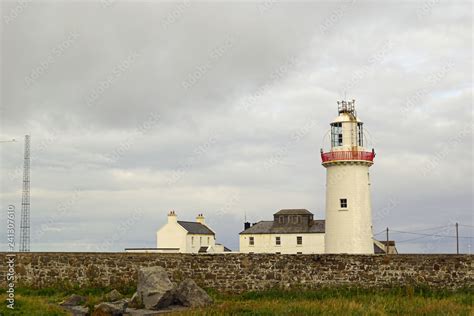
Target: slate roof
293 212
267 227
196 228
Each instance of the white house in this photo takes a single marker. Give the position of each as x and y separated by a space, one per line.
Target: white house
187 237
292 231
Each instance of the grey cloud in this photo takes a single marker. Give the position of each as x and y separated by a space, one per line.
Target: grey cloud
249 75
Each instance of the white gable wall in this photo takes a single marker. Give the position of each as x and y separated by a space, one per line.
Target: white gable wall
172 235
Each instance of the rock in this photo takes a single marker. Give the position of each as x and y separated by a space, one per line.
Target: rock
190 294
110 309
113 296
74 300
77 310
155 290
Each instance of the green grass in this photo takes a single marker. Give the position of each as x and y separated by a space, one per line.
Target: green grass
328 301
345 301
45 301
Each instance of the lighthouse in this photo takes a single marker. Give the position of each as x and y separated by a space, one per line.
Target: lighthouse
348 203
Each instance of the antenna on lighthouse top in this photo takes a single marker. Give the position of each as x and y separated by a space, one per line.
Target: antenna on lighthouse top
346 107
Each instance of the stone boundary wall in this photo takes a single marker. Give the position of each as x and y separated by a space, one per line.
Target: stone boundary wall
234 273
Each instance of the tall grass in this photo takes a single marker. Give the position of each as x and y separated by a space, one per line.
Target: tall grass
324 301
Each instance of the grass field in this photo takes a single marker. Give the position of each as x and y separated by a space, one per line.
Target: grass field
407 301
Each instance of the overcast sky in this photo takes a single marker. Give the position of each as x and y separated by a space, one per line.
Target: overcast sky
135 108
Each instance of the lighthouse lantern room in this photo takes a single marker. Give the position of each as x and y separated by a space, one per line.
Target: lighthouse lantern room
348 203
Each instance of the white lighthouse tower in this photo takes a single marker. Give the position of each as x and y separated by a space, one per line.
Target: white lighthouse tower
348 205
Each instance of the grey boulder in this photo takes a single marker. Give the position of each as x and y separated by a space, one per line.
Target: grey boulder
113 296
155 290
110 309
190 294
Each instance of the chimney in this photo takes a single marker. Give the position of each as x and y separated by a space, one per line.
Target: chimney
200 219
246 225
172 217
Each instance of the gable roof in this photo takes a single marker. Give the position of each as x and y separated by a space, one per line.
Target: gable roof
196 228
299 211
267 227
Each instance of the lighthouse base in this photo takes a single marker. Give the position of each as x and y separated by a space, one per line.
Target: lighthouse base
348 209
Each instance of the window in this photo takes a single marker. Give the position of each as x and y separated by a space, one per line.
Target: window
299 240
360 134
343 203
251 241
295 219
280 219
278 253
192 240
278 241
208 240
299 253
200 240
336 134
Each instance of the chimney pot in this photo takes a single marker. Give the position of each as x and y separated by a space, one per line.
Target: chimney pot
200 219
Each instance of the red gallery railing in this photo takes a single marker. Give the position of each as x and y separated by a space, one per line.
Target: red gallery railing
348 155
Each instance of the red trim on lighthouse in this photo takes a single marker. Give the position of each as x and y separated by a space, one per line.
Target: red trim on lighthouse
347 155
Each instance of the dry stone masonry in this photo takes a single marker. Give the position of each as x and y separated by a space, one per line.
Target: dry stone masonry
236 273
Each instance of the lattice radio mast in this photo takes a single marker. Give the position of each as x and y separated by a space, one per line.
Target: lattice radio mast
25 201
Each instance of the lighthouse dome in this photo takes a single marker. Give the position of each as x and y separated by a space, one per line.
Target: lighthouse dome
346 117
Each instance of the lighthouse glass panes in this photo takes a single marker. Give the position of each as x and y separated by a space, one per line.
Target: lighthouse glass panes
360 134
336 134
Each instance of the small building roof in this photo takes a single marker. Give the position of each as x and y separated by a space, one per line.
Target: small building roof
390 242
378 250
267 227
225 248
293 212
380 247
196 228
